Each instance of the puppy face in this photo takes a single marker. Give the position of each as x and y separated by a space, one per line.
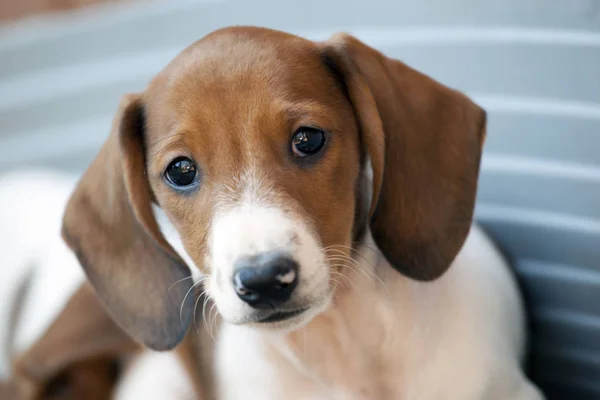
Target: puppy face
253 143
255 157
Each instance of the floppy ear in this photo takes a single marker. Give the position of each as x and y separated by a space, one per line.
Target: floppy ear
76 357
424 141
110 225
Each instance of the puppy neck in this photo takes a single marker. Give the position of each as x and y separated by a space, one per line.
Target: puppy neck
344 346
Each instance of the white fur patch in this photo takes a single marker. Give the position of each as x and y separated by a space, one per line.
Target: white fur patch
254 225
172 236
242 369
154 375
391 337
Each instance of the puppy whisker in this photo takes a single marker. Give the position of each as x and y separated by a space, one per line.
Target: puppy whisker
336 283
340 248
204 309
187 294
361 267
352 264
179 281
367 246
353 251
342 276
196 306
210 327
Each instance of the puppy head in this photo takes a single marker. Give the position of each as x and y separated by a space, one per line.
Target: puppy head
253 143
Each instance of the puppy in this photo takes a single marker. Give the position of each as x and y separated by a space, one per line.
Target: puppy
319 193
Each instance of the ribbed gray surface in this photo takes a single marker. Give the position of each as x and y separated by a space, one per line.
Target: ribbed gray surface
534 65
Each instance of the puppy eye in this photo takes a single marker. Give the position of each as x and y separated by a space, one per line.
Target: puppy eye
181 172
307 141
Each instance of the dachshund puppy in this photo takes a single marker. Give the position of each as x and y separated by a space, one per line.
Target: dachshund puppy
321 194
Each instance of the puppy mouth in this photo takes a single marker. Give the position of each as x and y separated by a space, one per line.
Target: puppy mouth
279 316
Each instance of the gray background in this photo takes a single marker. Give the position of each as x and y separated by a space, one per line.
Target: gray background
533 64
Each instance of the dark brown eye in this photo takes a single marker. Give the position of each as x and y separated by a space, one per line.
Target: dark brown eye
307 141
181 172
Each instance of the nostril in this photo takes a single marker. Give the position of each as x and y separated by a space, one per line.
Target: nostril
239 286
286 278
247 295
242 290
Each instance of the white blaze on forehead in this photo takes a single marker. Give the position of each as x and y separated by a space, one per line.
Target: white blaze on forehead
255 220
250 223
249 229
242 230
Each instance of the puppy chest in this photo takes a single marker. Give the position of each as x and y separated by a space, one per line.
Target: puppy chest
254 366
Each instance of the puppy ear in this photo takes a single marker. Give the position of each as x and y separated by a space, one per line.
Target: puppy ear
110 225
424 141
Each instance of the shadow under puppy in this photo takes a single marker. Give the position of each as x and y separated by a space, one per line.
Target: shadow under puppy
319 192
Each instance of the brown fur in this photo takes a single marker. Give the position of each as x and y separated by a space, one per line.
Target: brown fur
424 141
110 226
77 357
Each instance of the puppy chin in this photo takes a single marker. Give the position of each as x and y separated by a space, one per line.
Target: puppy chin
294 323
275 322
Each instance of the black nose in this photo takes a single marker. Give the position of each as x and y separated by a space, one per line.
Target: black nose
265 281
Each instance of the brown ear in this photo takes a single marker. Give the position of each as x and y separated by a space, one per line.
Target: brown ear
110 225
424 141
76 357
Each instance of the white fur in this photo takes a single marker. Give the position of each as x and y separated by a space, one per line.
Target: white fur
154 375
458 338
31 208
254 225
